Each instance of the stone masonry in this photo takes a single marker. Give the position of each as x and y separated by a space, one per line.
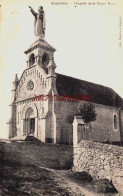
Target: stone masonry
100 160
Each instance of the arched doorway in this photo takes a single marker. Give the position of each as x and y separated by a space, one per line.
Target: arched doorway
29 122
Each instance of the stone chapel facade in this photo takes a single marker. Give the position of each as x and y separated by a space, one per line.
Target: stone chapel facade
52 120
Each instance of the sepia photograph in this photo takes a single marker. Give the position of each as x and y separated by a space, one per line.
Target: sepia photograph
61 98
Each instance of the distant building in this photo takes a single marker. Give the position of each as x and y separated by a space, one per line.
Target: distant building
52 120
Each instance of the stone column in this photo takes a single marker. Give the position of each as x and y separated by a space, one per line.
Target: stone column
27 126
24 126
54 118
58 130
36 127
43 130
75 134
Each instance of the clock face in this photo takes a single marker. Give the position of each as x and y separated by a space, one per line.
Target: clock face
30 85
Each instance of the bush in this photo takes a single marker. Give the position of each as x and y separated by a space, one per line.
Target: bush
104 186
83 176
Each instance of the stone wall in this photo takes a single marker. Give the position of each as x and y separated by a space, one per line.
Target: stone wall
100 160
103 128
66 111
100 130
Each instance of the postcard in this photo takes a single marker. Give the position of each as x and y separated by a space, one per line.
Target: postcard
61 97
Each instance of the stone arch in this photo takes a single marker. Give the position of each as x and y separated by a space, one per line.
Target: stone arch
29 113
30 120
31 59
26 107
45 59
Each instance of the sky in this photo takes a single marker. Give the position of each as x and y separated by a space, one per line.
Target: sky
88 39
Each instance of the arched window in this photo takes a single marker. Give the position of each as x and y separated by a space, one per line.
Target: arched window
115 122
31 60
29 113
45 59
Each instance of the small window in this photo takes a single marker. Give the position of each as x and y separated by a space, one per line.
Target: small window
115 122
30 85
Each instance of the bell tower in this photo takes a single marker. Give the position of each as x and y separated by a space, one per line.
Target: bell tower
39 53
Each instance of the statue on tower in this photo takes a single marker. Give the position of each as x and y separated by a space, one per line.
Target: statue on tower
39 24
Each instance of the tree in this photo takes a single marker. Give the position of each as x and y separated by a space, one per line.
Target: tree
88 114
87 111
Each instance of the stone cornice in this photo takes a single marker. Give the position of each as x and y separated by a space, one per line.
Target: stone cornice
39 45
97 105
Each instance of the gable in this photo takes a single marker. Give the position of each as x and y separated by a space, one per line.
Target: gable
32 82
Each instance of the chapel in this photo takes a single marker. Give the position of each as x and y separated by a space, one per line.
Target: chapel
55 120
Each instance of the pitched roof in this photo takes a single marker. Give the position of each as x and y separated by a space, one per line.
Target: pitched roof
67 85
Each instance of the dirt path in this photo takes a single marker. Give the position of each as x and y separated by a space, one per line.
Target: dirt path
24 176
21 175
75 189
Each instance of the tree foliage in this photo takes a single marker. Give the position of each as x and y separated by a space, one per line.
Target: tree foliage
87 112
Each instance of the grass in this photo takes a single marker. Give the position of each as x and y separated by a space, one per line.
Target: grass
20 176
